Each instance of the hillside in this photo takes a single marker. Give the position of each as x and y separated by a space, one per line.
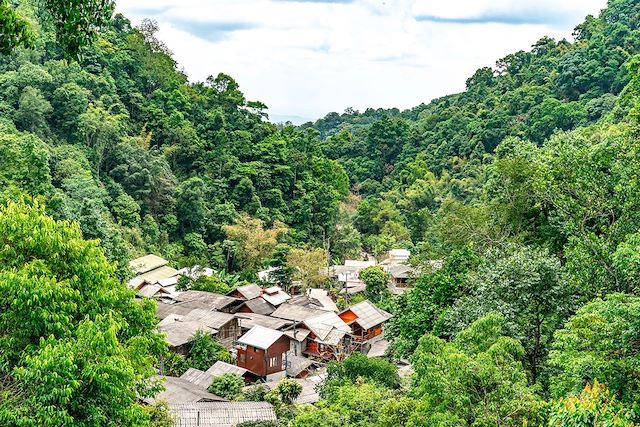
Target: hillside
517 199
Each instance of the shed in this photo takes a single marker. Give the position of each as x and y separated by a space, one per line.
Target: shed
275 296
256 305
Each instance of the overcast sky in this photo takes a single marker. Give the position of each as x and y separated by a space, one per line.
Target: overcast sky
309 57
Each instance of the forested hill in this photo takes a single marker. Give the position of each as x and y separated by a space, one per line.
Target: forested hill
148 162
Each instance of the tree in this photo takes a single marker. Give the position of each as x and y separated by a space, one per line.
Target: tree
307 265
526 286
227 385
358 366
205 351
288 390
599 343
594 407
77 24
477 379
78 347
253 243
376 281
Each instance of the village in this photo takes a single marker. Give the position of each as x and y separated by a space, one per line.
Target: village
270 333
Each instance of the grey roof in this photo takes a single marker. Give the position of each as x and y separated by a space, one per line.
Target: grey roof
212 319
378 348
275 295
147 263
197 377
297 364
258 306
368 315
208 299
296 313
221 414
400 271
328 328
250 291
249 320
181 332
154 276
220 368
352 287
178 390
297 334
149 291
260 337
163 309
322 296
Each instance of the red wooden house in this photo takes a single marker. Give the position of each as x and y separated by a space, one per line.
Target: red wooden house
365 320
263 351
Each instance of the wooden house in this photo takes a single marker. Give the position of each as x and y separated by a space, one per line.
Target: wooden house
366 321
246 292
263 352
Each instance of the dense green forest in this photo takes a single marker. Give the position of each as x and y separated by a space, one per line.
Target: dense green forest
526 185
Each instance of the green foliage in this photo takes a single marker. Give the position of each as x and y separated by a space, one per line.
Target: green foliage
205 351
84 346
227 385
376 281
595 406
288 390
15 30
599 344
357 367
477 379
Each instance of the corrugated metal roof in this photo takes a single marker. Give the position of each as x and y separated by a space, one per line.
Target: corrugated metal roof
275 296
147 263
378 348
249 320
179 390
260 337
211 319
221 414
250 291
296 313
197 377
209 299
328 327
149 291
368 315
400 271
181 332
220 368
154 276
297 364
258 306
323 297
297 334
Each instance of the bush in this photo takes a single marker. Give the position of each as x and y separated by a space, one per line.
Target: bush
205 351
288 390
227 385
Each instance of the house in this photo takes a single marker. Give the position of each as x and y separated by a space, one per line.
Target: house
151 269
225 326
257 305
400 274
263 352
179 390
299 367
246 292
205 378
327 335
179 329
249 320
275 296
298 338
221 414
365 320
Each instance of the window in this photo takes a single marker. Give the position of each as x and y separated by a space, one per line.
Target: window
273 361
284 362
242 357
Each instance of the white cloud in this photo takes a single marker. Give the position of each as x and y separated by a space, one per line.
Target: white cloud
310 57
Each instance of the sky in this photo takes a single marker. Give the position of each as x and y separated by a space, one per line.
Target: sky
306 58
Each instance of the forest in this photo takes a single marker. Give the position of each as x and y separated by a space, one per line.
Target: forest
526 185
